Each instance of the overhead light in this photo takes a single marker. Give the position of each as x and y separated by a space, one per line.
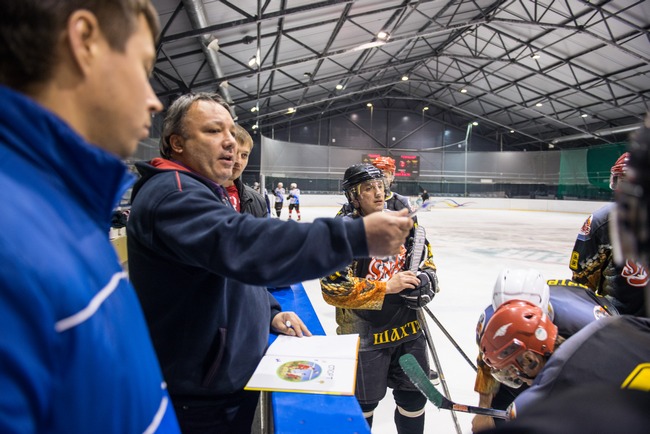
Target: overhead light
539 104
339 86
584 115
255 127
369 104
405 77
535 56
425 109
254 109
252 61
383 35
291 110
224 84
463 90
512 131
475 124
307 74
551 146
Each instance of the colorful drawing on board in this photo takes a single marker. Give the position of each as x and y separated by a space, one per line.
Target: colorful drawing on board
299 370
452 203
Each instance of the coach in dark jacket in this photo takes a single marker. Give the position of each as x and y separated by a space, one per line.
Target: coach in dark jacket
201 269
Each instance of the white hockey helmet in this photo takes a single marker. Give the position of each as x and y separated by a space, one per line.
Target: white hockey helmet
522 284
293 185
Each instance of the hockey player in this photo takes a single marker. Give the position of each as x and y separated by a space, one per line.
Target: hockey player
620 345
592 261
376 298
294 199
394 201
520 342
569 305
279 193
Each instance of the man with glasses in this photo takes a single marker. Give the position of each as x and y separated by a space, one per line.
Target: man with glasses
377 298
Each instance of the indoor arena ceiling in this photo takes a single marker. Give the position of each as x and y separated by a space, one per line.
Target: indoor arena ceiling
554 74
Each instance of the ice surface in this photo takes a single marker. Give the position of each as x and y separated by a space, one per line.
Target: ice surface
470 246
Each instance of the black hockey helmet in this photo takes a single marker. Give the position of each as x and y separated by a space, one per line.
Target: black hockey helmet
358 173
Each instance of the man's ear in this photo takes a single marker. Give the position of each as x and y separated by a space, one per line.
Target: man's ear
84 37
176 143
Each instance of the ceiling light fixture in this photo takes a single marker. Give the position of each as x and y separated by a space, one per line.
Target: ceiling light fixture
405 77
539 104
475 124
255 127
535 56
291 110
369 104
463 90
584 115
512 131
339 86
425 109
252 62
254 109
383 35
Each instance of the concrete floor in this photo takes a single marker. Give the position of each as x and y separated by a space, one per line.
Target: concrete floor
470 247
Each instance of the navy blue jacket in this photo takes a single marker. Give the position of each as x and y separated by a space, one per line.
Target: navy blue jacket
201 271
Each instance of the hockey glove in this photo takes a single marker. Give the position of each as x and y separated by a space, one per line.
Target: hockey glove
424 292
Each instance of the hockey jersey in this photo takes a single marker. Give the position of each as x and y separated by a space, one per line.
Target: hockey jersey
592 265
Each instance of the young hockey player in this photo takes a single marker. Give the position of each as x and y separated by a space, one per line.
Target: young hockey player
569 305
521 343
279 199
376 298
592 261
394 201
294 199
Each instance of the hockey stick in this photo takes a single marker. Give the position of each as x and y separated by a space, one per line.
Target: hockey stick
451 339
419 242
414 371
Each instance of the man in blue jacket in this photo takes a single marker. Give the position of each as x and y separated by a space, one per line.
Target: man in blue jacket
75 353
201 269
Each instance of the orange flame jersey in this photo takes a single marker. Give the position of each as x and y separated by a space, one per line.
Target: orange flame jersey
344 289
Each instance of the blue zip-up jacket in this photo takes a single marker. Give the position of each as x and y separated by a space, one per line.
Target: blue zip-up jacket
201 271
75 353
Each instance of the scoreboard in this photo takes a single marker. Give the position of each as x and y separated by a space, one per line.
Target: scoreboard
406 166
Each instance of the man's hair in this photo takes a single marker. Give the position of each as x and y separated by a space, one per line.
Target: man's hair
30 31
174 122
242 137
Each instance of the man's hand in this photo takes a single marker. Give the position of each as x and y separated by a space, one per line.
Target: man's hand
386 232
289 323
401 281
481 422
424 291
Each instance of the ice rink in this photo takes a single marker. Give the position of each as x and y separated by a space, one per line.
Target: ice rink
470 246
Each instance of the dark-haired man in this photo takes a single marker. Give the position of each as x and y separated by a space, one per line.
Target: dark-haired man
201 269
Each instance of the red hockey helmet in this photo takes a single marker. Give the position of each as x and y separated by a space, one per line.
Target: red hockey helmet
619 169
384 163
515 327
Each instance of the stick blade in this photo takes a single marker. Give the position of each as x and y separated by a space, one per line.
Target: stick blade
416 374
